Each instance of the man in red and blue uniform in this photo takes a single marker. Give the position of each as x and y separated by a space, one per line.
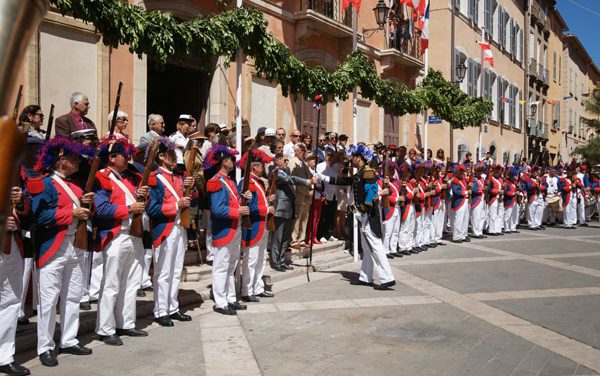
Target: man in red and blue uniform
460 206
511 209
535 190
225 219
254 240
169 238
494 201
391 218
116 203
56 209
478 205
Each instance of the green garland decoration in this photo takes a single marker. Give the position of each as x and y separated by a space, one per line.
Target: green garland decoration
159 35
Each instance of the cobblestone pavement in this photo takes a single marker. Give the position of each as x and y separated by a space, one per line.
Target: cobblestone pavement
520 304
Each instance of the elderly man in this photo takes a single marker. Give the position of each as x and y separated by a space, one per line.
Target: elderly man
280 134
75 120
156 128
299 168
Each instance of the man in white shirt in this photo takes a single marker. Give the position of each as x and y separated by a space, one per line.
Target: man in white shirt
327 222
288 149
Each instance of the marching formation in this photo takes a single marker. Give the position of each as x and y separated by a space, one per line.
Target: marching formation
93 215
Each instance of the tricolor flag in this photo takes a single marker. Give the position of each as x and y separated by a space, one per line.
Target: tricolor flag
355 3
487 52
424 22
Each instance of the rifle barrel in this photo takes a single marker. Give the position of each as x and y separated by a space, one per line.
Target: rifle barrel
113 121
18 103
50 122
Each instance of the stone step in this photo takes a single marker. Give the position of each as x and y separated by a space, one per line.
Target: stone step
190 293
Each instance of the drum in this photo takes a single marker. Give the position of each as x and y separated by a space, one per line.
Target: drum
590 200
554 203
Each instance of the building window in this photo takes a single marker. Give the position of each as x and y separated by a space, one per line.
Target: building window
474 10
559 69
487 16
501 28
472 77
505 157
554 66
462 149
512 103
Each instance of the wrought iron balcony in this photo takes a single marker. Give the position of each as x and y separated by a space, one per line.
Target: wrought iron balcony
537 129
533 67
331 9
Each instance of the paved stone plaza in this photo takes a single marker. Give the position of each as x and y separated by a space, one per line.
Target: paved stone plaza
521 304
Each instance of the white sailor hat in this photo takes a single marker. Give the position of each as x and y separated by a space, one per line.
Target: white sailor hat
185 117
270 132
84 133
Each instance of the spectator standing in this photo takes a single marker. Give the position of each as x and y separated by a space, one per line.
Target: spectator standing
75 120
180 139
299 168
288 149
327 225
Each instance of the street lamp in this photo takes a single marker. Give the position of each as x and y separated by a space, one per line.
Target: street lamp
381 11
461 71
533 109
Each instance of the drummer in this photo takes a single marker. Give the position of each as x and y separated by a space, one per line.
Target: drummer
552 214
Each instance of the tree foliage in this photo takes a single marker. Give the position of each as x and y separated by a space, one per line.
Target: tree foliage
161 36
591 151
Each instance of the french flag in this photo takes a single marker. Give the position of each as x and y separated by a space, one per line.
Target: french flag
487 52
417 5
424 26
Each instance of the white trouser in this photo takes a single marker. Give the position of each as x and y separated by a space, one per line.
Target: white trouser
61 277
168 265
421 230
373 249
439 216
570 212
210 248
478 218
449 224
390 232
580 208
460 221
429 230
496 217
122 275
11 272
407 230
93 272
147 261
28 268
535 211
511 217
253 267
224 264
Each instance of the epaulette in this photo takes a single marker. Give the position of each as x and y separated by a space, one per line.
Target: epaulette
369 173
213 185
152 181
35 185
104 180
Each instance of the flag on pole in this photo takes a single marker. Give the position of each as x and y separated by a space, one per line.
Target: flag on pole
486 52
424 23
417 5
355 3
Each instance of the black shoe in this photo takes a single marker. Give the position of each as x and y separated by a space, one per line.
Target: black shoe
48 359
424 247
542 228
456 241
397 254
250 299
225 311
441 243
133 332
287 267
584 225
467 239
112 340
432 245
149 288
141 293
76 350
93 301
237 306
180 316
164 321
85 306
266 294
516 232
23 320
279 268
14 369
358 282
406 253
384 286
390 256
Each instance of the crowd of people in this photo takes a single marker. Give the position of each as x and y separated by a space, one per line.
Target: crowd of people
148 203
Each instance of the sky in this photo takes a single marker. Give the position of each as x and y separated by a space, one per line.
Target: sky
582 18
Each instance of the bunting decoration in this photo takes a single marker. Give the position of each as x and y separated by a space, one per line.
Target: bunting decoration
355 4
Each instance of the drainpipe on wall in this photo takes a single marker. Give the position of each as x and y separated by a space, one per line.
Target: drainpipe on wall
452 70
526 81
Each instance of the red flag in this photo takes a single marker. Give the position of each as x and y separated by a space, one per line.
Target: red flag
424 26
417 5
355 3
487 52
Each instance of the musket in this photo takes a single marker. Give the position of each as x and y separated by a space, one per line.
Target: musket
15 113
50 122
189 169
81 235
246 222
386 201
137 227
270 192
318 99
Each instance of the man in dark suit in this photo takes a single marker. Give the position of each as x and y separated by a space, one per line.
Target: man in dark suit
299 168
284 210
75 120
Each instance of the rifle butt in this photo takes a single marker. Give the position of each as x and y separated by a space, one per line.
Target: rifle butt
137 227
185 218
81 236
271 223
246 222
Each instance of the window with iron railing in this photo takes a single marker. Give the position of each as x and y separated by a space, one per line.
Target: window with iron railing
331 9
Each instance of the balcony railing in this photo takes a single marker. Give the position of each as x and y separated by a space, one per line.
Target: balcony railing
546 77
402 40
537 129
331 9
